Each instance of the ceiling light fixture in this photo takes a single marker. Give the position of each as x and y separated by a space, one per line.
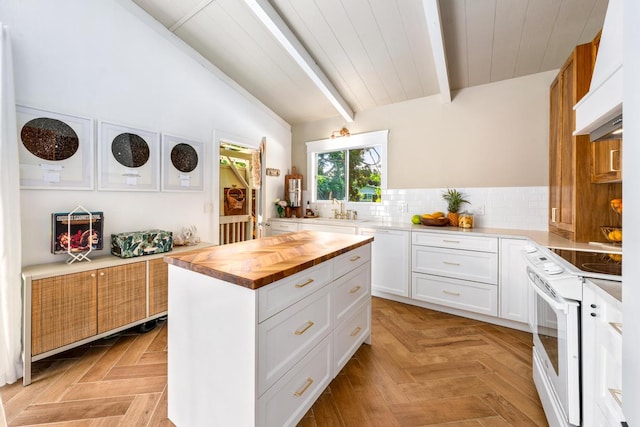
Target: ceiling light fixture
339 133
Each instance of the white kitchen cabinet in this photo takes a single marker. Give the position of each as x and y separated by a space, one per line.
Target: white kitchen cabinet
514 286
263 356
601 356
282 227
314 226
455 271
390 262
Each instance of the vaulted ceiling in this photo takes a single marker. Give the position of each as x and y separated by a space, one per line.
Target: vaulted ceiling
354 55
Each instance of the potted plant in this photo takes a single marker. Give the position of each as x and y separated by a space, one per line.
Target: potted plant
280 207
454 200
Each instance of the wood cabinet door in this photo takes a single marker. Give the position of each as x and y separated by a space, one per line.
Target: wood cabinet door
63 310
606 161
121 295
158 286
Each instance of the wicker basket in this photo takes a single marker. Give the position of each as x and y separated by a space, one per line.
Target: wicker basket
612 234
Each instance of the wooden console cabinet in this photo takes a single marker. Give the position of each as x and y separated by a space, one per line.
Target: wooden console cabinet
69 305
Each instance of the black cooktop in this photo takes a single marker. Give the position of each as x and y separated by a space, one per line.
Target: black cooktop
592 262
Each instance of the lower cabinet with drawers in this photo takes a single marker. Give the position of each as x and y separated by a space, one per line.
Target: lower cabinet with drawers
245 357
67 305
456 271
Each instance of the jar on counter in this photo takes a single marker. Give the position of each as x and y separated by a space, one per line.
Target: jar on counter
465 220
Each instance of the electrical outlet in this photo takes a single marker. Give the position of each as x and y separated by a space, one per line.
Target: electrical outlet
479 210
402 206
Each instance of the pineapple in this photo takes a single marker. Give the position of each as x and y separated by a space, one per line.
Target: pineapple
454 200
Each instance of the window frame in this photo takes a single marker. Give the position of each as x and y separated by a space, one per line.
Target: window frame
362 140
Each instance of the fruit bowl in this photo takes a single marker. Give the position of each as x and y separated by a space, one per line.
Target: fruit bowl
612 234
437 222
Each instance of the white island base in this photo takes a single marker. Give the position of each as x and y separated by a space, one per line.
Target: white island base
261 357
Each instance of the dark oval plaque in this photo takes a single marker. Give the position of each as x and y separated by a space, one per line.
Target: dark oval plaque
184 157
49 139
130 150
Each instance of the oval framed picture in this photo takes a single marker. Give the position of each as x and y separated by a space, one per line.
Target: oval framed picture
182 164
129 158
55 150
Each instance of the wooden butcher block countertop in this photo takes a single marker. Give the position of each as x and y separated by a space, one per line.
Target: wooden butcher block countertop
257 263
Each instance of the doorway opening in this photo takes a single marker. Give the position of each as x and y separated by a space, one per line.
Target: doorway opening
240 191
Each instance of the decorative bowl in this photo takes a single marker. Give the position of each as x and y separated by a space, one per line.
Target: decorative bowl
436 222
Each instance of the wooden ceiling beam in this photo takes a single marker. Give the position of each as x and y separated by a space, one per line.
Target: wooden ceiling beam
434 24
283 34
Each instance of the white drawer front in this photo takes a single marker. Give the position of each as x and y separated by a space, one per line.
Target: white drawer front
349 335
346 262
328 228
284 338
454 241
469 296
466 265
283 293
350 290
284 227
289 399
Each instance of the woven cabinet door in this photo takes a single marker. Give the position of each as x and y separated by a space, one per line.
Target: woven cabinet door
63 310
158 286
122 295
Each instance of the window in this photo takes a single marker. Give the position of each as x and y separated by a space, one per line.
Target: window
350 168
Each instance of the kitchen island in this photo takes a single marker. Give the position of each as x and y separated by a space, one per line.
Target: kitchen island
258 329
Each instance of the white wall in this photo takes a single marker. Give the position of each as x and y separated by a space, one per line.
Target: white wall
107 60
631 196
495 135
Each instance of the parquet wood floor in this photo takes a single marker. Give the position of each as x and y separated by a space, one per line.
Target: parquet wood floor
424 368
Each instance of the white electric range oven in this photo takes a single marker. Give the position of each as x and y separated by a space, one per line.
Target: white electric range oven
556 278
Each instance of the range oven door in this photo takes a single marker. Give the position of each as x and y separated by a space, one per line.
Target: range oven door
556 344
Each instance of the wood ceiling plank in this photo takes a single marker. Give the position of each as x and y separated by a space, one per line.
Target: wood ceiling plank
365 21
538 25
228 37
360 47
167 12
480 24
509 21
394 32
567 29
334 43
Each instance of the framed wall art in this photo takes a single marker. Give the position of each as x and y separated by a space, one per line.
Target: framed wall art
182 164
55 150
129 158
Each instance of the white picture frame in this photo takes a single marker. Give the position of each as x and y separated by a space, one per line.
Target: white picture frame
182 170
140 170
39 173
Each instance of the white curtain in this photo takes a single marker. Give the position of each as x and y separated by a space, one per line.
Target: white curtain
10 236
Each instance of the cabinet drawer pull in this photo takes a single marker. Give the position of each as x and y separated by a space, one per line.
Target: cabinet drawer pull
451 263
302 285
616 326
356 331
451 241
456 294
611 154
304 388
617 395
554 214
303 330
355 258
354 289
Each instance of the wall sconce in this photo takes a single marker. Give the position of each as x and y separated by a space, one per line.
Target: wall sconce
339 133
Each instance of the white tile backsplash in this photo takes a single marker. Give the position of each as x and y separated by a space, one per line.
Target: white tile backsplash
504 207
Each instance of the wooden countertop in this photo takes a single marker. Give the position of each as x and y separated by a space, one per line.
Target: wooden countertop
257 263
